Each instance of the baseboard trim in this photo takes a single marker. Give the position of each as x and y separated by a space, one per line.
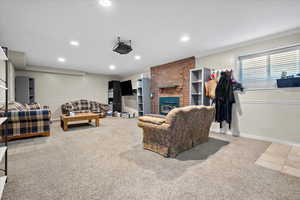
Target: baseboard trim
257 137
276 102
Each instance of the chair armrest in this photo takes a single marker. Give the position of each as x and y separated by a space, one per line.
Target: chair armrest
156 116
148 125
104 107
152 120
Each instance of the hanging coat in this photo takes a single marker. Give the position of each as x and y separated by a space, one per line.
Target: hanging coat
224 99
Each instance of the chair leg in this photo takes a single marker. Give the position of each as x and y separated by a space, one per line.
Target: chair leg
164 151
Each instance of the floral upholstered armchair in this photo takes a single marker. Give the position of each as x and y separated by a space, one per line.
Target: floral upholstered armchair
182 129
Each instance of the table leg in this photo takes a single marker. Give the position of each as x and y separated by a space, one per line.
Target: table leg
97 122
65 124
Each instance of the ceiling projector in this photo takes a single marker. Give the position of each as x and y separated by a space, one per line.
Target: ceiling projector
123 46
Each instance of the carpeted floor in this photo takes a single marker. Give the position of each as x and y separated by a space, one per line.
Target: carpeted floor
109 162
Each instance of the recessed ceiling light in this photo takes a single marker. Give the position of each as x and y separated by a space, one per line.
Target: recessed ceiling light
105 3
112 67
60 59
74 43
137 57
185 38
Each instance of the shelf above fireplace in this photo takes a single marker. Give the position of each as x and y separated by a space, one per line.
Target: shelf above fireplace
167 86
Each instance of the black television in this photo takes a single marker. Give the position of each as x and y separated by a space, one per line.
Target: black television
126 88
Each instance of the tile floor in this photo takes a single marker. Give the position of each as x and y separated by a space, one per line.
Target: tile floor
281 157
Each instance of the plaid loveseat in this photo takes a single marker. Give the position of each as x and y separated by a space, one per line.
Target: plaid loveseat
84 106
27 121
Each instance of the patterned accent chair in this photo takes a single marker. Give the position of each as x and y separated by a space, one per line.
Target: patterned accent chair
182 129
83 105
22 122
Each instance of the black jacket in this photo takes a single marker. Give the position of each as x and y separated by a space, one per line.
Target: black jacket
224 99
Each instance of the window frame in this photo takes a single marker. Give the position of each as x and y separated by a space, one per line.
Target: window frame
267 53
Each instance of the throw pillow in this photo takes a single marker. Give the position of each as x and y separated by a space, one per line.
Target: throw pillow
14 106
33 106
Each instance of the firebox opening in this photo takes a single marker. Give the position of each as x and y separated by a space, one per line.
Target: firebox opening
166 104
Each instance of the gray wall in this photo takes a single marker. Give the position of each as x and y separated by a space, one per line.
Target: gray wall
267 114
54 89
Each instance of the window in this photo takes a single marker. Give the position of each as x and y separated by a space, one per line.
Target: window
287 61
262 70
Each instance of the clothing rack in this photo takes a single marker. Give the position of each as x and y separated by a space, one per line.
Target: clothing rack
218 71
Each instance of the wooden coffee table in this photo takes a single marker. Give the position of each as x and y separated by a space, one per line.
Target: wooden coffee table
64 119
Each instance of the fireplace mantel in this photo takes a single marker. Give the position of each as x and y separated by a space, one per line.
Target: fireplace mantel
167 86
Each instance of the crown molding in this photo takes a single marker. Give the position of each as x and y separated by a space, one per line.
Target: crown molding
2 54
250 42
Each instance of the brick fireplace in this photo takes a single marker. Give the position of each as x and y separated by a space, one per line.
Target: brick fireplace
171 80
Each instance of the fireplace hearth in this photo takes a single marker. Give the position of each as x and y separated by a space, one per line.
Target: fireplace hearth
166 104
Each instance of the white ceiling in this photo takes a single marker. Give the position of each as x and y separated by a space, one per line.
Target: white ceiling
43 29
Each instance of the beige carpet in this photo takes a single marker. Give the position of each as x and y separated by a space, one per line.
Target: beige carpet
109 163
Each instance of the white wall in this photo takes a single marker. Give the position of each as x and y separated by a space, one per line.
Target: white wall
11 82
54 89
2 76
129 103
267 114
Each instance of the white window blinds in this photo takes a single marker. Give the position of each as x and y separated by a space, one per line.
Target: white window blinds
255 68
285 61
262 70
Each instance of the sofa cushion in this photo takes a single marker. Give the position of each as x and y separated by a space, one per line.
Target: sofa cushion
20 106
82 111
68 106
33 106
94 106
75 105
84 105
153 120
30 115
15 106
